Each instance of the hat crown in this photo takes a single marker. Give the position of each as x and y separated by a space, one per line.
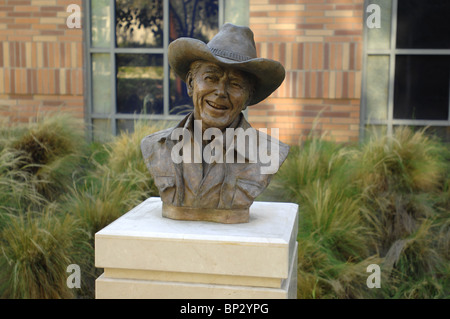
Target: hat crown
233 42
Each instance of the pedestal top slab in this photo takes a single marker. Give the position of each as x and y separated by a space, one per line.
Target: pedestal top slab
144 240
270 223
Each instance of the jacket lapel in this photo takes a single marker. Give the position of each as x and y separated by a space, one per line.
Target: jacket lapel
179 182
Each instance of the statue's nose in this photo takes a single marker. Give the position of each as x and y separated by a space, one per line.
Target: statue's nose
221 89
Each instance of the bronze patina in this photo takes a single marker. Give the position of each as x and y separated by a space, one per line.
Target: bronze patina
223 77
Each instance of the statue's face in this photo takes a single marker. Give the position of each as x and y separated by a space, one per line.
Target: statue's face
219 94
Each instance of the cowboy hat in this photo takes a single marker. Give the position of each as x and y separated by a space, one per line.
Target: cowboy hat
233 46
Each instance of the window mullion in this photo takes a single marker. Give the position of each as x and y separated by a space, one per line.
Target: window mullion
88 109
448 118
112 47
392 66
139 50
166 79
110 113
362 114
420 122
423 51
221 12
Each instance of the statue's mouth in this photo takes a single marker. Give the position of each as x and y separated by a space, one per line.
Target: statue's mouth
217 106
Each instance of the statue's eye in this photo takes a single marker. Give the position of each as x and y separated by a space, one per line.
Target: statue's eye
236 85
210 77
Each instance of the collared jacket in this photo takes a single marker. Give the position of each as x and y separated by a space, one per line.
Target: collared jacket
218 185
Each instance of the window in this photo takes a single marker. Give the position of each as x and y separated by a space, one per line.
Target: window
407 67
128 72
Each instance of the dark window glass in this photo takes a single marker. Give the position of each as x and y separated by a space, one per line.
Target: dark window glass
442 133
423 24
421 87
139 23
195 19
140 83
180 101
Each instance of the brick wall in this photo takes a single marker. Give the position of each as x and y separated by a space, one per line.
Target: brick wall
41 60
318 41
320 44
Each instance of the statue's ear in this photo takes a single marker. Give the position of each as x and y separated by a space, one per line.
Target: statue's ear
190 83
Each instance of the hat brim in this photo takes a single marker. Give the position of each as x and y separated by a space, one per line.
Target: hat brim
269 73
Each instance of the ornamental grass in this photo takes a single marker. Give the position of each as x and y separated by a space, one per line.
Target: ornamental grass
56 191
385 201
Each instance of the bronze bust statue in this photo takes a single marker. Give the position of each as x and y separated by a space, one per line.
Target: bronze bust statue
213 164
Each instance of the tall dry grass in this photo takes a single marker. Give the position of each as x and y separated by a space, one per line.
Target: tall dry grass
333 240
16 191
117 183
383 202
56 191
386 202
37 248
46 153
403 186
37 163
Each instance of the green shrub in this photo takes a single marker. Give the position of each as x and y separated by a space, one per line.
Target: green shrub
316 159
17 193
332 216
99 202
37 164
36 250
125 150
385 201
401 178
117 184
51 150
405 162
332 238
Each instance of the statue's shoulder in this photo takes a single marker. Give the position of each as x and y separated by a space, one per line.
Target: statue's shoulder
154 141
283 148
267 140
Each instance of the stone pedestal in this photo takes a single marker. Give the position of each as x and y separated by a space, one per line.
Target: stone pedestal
147 256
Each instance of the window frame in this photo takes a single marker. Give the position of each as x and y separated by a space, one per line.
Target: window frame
392 52
112 50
